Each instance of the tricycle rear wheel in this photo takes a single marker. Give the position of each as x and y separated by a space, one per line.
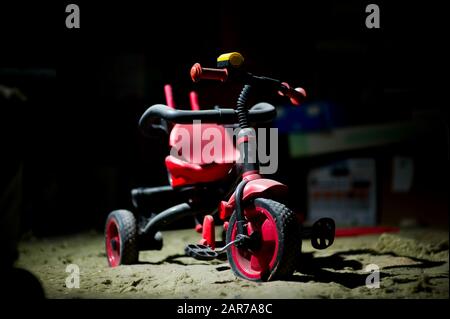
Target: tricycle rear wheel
121 238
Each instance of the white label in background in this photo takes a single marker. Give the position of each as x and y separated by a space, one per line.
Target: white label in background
402 175
344 191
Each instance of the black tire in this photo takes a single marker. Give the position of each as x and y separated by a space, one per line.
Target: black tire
289 242
128 252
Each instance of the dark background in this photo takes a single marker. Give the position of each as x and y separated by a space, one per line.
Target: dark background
76 138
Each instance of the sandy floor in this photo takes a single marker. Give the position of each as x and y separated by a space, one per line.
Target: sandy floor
413 264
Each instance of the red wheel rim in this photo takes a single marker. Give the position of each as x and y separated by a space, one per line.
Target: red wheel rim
254 264
113 242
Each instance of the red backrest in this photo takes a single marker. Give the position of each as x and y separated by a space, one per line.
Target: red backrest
210 137
212 140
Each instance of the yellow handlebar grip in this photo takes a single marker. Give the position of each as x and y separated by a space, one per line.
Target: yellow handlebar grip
233 59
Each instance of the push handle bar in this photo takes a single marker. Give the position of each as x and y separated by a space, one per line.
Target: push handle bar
259 113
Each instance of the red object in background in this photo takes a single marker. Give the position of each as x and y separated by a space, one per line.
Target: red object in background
358 231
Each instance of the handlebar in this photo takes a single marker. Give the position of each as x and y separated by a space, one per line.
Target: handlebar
259 113
199 73
296 96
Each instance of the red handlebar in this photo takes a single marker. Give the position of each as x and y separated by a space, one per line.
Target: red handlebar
297 95
200 73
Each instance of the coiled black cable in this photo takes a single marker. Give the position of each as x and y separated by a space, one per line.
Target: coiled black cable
241 107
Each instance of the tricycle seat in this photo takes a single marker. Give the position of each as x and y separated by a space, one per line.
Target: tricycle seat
210 160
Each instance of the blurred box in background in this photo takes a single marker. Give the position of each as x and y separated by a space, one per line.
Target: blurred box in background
344 191
310 117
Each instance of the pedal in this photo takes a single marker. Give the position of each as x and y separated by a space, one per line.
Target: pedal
200 252
203 252
322 235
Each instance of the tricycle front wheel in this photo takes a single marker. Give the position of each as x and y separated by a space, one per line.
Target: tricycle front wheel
279 244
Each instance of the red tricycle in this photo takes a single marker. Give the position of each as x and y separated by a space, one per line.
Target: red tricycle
263 236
